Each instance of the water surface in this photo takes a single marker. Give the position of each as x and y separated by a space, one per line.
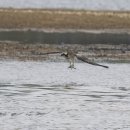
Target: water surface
49 96
68 4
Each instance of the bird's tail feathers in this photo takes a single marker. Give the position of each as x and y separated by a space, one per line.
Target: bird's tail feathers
84 59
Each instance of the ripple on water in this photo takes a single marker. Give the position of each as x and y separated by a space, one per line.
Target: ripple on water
45 98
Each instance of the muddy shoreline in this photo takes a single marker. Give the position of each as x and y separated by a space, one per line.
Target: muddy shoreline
100 35
100 45
98 52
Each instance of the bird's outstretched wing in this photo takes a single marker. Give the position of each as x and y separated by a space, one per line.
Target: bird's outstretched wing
84 59
47 53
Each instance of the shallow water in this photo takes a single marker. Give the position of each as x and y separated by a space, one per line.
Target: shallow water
49 96
71 4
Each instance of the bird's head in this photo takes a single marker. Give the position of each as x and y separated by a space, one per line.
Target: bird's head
64 54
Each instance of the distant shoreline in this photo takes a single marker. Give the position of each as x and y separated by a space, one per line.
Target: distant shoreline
24 32
63 19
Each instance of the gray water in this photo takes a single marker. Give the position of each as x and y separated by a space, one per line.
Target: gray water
68 4
49 96
97 37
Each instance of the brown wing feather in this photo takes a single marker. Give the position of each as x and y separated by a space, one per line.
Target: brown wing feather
84 59
47 53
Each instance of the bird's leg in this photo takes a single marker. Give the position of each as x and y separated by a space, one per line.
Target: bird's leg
71 64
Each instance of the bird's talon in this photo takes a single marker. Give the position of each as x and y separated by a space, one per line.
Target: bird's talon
71 67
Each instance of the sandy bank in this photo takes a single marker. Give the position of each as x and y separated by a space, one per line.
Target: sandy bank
63 19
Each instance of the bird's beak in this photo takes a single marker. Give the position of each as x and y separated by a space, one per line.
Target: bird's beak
64 54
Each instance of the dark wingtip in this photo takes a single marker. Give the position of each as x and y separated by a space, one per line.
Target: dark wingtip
106 67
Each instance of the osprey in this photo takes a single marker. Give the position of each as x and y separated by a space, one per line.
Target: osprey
70 55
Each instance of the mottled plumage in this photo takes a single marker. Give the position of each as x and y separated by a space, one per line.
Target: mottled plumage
70 55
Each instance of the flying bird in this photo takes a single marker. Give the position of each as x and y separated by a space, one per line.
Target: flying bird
71 55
